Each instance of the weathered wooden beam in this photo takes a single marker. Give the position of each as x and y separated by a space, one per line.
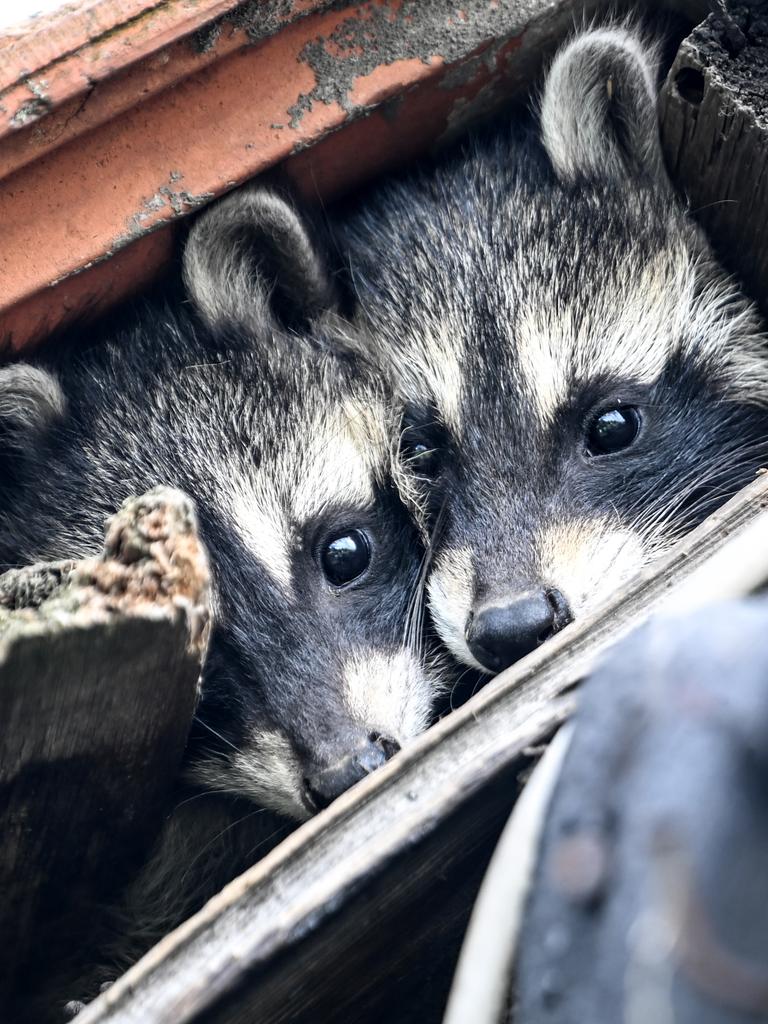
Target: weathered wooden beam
99 669
358 915
714 127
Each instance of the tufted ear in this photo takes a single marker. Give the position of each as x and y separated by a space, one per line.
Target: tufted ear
598 109
31 399
249 260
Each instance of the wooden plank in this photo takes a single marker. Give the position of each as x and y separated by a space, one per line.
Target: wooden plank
99 669
354 914
714 126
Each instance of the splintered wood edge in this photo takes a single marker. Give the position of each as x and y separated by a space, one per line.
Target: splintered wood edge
153 565
99 678
294 888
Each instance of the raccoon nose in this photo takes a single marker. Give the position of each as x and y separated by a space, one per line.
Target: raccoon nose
323 786
499 635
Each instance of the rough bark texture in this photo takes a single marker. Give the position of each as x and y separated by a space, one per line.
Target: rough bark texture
99 669
714 120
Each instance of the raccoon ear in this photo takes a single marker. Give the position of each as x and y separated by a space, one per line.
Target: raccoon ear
30 400
598 108
249 260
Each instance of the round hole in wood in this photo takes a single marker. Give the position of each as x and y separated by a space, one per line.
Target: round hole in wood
690 85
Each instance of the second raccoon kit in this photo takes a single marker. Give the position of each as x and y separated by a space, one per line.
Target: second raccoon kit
579 380
250 396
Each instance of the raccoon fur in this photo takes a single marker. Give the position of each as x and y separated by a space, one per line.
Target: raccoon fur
580 382
248 396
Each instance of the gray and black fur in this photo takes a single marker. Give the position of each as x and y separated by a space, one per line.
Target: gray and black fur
248 396
536 295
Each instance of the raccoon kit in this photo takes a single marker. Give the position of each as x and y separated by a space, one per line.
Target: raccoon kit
579 381
248 398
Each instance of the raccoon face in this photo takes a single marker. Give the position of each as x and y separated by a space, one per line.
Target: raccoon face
318 570
250 399
580 382
317 562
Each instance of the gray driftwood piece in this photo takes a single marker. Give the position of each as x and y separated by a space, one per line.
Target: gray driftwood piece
99 669
714 127
358 915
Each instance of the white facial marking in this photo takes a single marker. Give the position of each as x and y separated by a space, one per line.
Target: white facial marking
344 455
437 369
444 355
266 771
265 530
336 473
451 589
587 561
389 693
629 334
540 350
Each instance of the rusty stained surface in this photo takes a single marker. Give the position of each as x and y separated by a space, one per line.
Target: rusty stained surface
96 77
80 221
48 60
29 97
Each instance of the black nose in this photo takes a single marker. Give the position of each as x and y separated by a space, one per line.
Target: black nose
499 635
321 787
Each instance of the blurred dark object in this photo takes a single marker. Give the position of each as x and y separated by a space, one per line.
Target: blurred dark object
650 897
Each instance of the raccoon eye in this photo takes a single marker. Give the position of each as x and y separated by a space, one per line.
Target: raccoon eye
345 557
613 430
422 460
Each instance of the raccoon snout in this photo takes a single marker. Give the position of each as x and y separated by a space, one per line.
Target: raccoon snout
499 635
321 787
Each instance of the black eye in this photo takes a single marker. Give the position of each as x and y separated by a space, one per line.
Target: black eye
345 557
422 460
613 430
